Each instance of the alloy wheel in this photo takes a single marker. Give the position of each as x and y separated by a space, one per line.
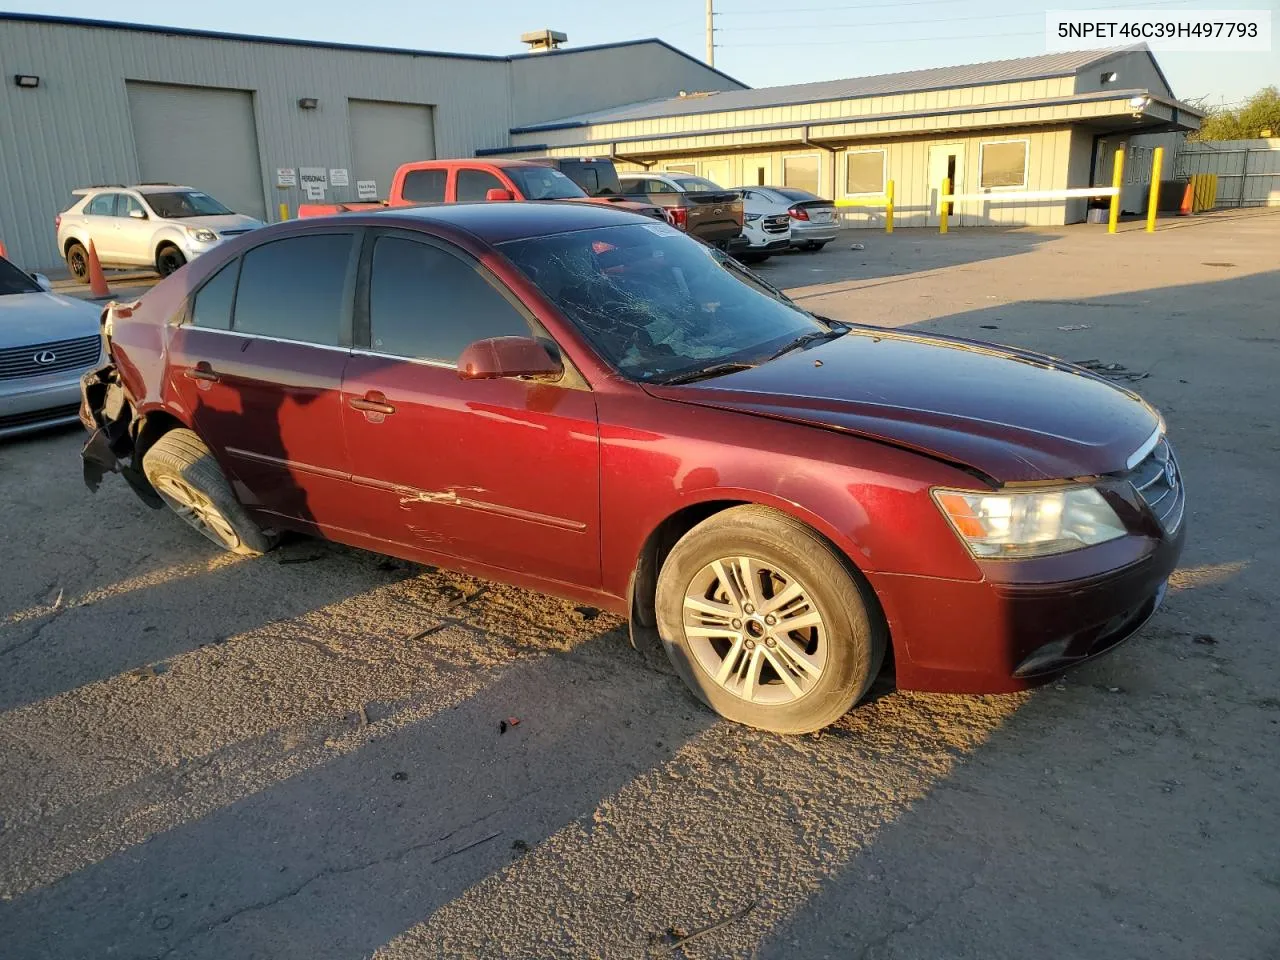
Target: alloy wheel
754 628
197 509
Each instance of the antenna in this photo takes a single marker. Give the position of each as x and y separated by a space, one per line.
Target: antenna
711 32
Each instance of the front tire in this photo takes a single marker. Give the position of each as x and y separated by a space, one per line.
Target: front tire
169 259
183 471
753 257
766 623
78 262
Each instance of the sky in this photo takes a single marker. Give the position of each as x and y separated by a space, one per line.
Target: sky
760 43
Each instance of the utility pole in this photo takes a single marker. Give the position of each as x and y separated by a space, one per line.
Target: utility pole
711 33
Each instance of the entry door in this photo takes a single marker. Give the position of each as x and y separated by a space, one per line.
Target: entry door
263 379
946 160
500 472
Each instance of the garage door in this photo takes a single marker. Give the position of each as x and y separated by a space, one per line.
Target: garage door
199 136
385 135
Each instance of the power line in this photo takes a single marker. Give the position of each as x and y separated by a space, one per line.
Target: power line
850 43
889 23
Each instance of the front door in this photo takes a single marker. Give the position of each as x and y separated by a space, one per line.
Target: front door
259 364
946 161
134 230
500 472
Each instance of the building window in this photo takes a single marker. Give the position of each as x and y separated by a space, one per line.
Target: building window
1003 164
1109 76
864 172
801 172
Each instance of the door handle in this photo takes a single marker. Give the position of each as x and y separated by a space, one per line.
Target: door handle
202 371
372 402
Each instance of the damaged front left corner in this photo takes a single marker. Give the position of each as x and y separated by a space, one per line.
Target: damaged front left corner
108 415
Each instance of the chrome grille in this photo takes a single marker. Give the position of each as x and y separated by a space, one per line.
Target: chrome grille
777 224
18 362
1159 481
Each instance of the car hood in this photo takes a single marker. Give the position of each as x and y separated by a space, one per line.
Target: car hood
27 319
1010 414
226 221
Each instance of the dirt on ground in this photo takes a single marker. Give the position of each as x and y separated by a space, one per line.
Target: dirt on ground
324 753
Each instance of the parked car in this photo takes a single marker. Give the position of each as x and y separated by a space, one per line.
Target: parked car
155 225
702 209
463 181
46 343
574 399
812 219
768 230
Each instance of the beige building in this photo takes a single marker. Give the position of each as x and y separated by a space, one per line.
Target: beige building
1034 124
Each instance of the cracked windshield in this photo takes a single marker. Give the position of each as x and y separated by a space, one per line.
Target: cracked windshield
658 305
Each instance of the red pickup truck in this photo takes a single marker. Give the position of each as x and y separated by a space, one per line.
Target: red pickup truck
457 181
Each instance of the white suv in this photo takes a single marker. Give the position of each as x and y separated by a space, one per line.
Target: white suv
156 225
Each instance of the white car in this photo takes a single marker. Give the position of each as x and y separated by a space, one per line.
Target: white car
47 342
812 219
156 225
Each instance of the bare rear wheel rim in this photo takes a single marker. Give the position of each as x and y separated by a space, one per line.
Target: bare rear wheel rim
755 630
78 266
197 510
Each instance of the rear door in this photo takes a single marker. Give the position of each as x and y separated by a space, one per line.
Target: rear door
259 364
500 472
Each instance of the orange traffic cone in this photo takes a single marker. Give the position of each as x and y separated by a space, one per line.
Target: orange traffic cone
1187 197
4 254
97 282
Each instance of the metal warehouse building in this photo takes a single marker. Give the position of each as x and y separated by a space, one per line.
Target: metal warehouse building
1035 124
119 103
252 120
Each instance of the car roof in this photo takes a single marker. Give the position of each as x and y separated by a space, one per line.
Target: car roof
499 222
143 188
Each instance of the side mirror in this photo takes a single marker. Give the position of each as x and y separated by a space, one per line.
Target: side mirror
136 214
498 193
42 282
498 357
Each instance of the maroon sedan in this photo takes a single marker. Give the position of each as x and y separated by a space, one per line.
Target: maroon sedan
585 402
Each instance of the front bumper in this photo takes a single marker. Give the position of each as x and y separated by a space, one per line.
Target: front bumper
1025 622
37 403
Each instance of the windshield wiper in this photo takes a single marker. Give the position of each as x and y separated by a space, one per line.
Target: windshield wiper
706 373
811 337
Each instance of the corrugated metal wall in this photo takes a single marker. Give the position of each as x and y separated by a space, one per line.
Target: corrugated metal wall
75 130
1248 170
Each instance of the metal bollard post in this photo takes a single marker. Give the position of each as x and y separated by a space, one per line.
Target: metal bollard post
942 204
284 212
1117 181
1153 198
888 207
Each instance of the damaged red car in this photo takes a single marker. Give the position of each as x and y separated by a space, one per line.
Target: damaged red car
582 401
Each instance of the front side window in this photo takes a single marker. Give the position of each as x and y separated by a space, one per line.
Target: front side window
211 308
103 205
656 303
476 184
427 304
185 203
296 289
128 205
545 183
1003 164
864 172
800 172
424 186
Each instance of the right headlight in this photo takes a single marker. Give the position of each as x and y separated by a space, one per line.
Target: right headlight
1034 523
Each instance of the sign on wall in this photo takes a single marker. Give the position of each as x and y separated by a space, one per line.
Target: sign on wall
338 177
367 189
286 177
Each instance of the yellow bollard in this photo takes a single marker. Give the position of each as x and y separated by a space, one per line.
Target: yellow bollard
1153 198
888 207
942 204
1117 181
284 212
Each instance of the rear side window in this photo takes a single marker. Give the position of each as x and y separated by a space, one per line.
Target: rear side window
212 306
295 289
424 186
103 205
427 304
474 184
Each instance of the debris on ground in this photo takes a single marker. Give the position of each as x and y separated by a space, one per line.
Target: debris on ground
682 937
1071 327
988 326
857 246
1206 639
1112 371
587 613
400 775
507 724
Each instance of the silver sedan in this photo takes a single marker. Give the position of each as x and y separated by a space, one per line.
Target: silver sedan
47 342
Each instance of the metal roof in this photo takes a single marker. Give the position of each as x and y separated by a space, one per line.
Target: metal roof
913 81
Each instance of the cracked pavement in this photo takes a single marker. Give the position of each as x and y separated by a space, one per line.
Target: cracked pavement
313 754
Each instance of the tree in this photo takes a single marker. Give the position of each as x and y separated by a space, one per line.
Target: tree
1260 113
